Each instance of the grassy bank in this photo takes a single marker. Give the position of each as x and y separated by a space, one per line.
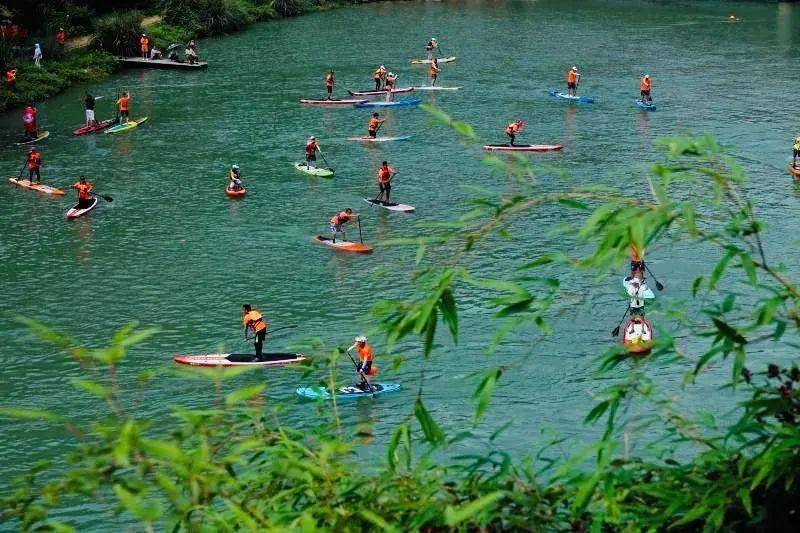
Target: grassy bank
100 34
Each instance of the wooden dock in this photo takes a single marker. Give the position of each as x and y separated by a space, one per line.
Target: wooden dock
160 63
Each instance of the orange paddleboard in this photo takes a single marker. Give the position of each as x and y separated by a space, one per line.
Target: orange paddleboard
343 246
39 187
795 171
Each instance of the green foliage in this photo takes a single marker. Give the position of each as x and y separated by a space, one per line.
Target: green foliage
288 8
163 35
206 17
119 32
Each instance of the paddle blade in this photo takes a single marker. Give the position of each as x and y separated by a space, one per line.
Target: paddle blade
615 331
659 286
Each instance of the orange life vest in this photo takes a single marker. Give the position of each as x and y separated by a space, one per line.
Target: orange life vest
61 37
385 174
124 103
572 76
11 76
365 353
311 147
645 84
378 74
389 83
254 321
145 42
433 70
83 190
34 160
373 124
329 80
512 128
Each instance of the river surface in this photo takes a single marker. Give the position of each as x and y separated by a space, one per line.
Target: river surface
173 252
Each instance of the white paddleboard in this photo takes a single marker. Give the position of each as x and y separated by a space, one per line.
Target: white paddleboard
391 206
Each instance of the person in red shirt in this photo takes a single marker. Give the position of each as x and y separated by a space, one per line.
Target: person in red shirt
124 107
312 147
329 83
374 123
83 188
144 44
644 88
61 38
33 163
29 115
11 79
573 79
365 365
513 129
433 71
385 176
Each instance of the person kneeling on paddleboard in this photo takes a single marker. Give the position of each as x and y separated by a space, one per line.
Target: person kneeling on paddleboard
385 175
83 189
644 91
235 177
795 151
364 367
573 79
374 124
513 129
312 147
254 321
33 163
124 105
339 220
329 83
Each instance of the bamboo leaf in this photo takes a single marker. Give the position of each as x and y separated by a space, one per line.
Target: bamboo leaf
433 433
456 515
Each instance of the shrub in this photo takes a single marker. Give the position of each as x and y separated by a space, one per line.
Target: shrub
288 8
205 17
119 33
163 35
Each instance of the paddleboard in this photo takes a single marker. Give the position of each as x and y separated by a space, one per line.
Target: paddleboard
435 88
793 170
316 171
570 98
644 292
391 206
97 127
393 103
127 126
235 194
316 393
378 93
43 134
523 147
637 338
645 105
75 212
319 101
344 246
438 60
385 139
39 187
240 359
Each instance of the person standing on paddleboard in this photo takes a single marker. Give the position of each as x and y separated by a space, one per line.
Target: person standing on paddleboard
378 77
235 179
88 104
330 81
29 115
389 87
385 176
795 151
365 358
644 89
83 188
432 48
339 220
573 79
124 106
374 124
433 72
34 163
312 147
513 129
254 321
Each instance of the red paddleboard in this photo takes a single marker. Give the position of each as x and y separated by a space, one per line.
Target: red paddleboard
240 359
637 337
523 147
100 126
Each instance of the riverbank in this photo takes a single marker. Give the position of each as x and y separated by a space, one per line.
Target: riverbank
90 58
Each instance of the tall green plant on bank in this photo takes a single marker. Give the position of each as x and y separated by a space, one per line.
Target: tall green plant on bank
119 33
653 467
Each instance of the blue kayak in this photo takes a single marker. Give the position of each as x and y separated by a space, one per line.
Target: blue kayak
315 393
569 97
645 105
394 103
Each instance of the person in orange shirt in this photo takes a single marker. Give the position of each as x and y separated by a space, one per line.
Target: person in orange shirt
513 129
385 176
329 83
378 77
254 321
573 79
374 123
83 189
433 71
11 78
339 220
365 366
61 38
312 147
33 163
144 43
644 87
124 107
389 87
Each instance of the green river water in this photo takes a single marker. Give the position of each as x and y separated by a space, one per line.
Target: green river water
172 251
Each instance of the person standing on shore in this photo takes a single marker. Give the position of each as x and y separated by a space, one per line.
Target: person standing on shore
61 39
11 78
37 55
144 44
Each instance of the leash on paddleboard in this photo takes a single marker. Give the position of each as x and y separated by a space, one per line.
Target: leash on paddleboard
615 331
363 376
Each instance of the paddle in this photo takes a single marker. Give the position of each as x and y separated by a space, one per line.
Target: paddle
360 235
103 196
326 161
363 376
659 286
615 331
269 332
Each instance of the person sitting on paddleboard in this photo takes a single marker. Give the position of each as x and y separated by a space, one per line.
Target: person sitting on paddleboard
364 367
339 220
513 129
374 124
795 151
433 71
329 83
33 163
124 105
385 175
254 321
312 147
235 177
378 77
83 187
431 48
389 87
573 79
644 87
637 263
88 104
29 115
